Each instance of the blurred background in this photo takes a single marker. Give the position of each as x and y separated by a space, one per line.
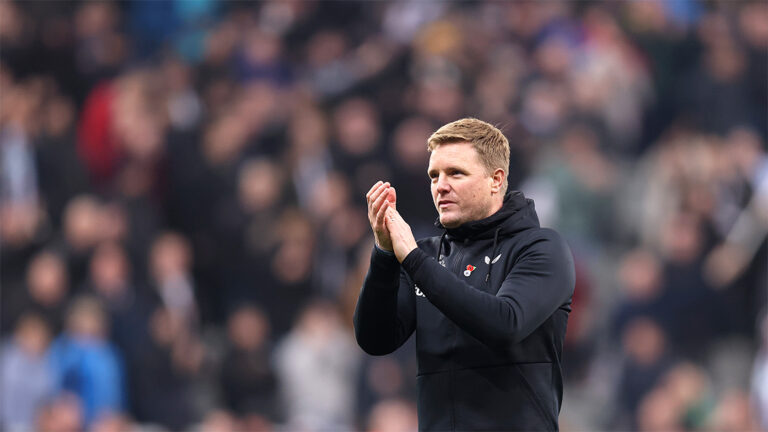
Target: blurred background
182 216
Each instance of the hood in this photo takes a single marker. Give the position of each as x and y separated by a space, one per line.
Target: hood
517 213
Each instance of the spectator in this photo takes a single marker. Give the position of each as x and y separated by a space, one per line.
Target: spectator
760 377
583 181
719 82
309 157
641 280
61 173
63 413
24 373
687 400
82 231
179 161
647 360
357 149
170 266
283 286
393 416
170 363
113 422
45 291
127 307
222 421
734 412
86 364
247 379
409 160
316 365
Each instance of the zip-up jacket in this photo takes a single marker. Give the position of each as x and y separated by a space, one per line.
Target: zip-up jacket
489 302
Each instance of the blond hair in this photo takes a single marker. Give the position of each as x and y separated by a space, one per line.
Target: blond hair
490 144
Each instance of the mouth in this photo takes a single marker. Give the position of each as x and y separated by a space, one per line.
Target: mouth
444 203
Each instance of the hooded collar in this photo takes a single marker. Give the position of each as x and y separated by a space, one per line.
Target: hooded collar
517 213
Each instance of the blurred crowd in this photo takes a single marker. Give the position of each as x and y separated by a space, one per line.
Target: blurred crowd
182 217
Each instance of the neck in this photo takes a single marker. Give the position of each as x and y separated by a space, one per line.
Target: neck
496 203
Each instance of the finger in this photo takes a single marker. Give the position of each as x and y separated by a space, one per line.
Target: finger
372 208
388 216
391 219
372 189
395 216
377 193
392 214
370 196
382 214
392 197
380 199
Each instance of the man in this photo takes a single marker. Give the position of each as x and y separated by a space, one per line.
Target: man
489 299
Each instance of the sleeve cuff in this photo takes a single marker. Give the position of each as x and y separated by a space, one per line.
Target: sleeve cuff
413 261
383 251
384 262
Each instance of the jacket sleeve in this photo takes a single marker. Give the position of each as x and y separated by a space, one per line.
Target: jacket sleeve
541 280
385 315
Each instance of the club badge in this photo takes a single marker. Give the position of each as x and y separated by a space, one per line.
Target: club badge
469 270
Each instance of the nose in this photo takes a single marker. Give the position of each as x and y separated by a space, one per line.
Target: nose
443 186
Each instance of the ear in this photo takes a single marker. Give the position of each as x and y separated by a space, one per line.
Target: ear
497 180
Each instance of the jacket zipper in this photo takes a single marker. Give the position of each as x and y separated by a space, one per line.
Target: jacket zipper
459 256
456 268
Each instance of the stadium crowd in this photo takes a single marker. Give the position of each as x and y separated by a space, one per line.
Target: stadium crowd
182 223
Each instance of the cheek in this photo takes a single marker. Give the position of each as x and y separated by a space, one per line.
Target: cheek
474 197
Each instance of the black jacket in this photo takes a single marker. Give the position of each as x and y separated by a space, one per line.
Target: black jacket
489 302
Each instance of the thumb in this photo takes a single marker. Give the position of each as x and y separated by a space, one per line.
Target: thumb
391 214
389 219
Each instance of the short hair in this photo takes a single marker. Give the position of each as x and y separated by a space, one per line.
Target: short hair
491 145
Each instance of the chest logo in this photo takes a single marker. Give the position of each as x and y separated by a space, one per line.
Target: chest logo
469 270
488 259
418 291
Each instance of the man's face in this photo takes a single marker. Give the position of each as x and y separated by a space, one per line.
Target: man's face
462 189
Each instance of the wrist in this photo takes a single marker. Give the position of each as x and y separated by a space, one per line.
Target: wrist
382 250
385 246
403 252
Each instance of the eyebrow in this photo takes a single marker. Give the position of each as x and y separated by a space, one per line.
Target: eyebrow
448 168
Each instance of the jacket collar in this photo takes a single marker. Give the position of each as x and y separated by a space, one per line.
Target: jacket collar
516 214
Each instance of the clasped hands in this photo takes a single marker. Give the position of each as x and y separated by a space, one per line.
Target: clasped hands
390 230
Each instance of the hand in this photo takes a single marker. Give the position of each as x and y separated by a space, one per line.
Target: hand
400 233
380 198
724 264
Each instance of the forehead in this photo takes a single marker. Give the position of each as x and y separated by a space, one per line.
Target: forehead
460 154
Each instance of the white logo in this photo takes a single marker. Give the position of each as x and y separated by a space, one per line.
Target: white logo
442 262
418 291
469 270
488 259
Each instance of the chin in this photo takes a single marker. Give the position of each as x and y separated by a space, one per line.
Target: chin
449 222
